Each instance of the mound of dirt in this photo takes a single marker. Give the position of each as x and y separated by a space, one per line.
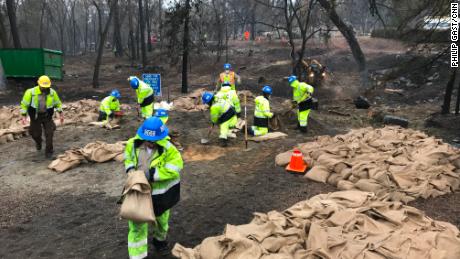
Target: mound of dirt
347 224
397 164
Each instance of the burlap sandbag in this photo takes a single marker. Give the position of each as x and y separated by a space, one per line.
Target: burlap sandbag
70 159
345 185
318 173
137 203
269 136
283 158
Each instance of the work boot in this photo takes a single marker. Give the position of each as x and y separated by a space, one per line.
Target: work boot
162 247
38 146
223 142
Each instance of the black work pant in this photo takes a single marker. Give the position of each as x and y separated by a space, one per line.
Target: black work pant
46 122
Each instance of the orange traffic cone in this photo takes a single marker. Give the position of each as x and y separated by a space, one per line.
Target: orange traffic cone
297 164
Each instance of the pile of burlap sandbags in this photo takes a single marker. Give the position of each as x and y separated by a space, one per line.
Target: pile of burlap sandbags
192 101
98 152
346 224
10 124
399 164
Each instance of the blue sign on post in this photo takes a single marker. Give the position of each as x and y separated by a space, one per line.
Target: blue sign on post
154 80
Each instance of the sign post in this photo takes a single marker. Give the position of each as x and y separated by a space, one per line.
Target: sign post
154 80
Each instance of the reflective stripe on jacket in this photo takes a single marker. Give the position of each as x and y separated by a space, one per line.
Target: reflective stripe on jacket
262 109
228 94
301 91
30 101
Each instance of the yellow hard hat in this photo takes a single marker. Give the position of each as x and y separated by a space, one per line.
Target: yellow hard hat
44 81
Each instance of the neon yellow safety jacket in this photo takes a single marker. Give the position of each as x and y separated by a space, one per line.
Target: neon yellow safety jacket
227 93
30 102
221 110
144 92
165 166
301 91
109 104
262 109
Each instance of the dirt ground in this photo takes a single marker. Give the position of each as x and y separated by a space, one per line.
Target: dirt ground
74 214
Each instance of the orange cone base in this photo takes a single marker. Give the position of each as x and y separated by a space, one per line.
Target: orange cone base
297 170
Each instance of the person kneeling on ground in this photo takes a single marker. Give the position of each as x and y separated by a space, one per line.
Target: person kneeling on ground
151 152
261 113
39 103
110 106
222 113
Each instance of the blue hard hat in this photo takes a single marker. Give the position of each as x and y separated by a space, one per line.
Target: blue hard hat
207 97
227 66
161 113
115 93
152 129
134 82
292 78
267 89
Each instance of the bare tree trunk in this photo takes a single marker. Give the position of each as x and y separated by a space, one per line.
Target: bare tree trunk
349 35
103 36
42 16
74 30
253 21
160 23
10 7
185 47
3 33
448 93
147 19
142 35
86 28
116 31
131 44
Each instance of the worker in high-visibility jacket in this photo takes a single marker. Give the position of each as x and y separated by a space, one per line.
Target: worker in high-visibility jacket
227 93
110 106
228 76
145 96
302 95
151 151
39 103
262 113
222 113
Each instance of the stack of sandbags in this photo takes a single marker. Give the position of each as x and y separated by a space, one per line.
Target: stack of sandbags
190 102
400 164
10 124
98 152
347 224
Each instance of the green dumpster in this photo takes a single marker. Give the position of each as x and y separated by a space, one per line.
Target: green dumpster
31 63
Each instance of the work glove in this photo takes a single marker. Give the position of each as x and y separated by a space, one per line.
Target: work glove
238 114
293 104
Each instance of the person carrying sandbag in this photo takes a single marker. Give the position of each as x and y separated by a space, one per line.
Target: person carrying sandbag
151 152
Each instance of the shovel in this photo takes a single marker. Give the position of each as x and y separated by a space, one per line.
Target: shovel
205 141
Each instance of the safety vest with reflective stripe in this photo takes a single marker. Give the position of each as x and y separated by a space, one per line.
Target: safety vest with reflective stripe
301 91
230 77
31 99
218 108
143 91
167 165
227 93
109 104
262 109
